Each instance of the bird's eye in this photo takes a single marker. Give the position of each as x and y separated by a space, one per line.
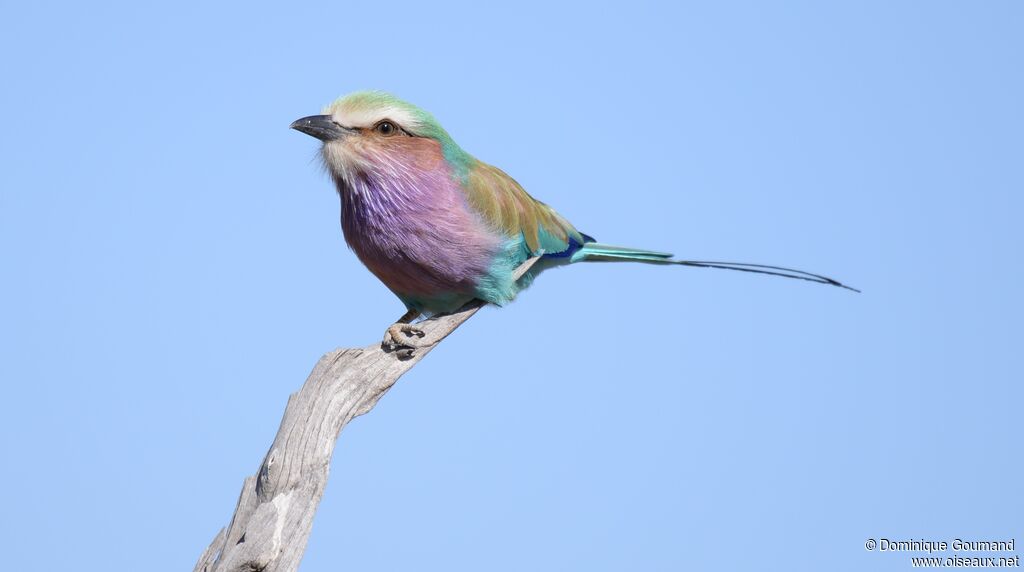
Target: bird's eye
386 128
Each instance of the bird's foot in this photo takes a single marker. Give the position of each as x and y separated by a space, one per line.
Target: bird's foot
403 339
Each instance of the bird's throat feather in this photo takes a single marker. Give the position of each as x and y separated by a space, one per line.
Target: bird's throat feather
407 221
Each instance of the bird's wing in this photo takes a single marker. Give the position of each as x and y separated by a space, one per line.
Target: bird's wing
500 200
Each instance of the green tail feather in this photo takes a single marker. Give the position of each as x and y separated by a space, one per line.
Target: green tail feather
597 252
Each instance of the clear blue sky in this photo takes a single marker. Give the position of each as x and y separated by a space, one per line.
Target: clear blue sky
173 267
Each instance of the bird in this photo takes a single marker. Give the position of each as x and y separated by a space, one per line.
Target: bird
441 228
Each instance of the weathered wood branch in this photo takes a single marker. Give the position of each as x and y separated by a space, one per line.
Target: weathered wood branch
274 515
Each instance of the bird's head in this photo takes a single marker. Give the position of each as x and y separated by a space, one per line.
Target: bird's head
371 133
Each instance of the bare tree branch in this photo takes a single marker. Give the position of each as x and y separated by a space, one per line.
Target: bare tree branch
275 511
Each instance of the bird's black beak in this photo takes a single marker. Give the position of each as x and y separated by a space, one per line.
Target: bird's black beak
322 127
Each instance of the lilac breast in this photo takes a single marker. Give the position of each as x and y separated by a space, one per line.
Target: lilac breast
413 229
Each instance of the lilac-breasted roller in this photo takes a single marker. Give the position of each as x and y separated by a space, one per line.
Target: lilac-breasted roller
438 226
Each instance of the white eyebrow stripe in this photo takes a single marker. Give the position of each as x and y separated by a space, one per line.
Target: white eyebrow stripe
365 117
